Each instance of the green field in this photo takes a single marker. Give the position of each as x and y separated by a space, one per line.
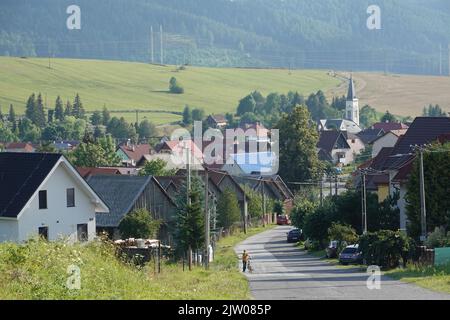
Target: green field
129 86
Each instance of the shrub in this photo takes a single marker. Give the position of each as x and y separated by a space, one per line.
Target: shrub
300 211
278 208
139 224
175 86
313 245
228 212
438 239
343 234
386 248
317 223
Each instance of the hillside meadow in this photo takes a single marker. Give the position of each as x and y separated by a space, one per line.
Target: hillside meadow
125 86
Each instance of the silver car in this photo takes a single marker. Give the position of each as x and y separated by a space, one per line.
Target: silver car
350 255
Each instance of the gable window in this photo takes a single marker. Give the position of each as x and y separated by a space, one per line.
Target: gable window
43 199
70 194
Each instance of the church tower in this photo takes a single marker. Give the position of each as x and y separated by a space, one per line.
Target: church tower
352 104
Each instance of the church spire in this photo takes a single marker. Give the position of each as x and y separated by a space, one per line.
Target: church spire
351 95
352 104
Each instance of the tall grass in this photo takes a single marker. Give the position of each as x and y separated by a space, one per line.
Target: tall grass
432 277
38 270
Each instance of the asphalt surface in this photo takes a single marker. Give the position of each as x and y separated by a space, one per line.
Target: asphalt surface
284 272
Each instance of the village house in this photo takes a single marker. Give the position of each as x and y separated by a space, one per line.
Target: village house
66 145
43 194
124 194
389 126
369 135
19 147
333 147
397 161
272 187
176 154
130 153
387 140
218 121
87 172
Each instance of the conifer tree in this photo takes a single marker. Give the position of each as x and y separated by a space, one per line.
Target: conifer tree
68 110
12 114
78 110
30 107
39 115
59 109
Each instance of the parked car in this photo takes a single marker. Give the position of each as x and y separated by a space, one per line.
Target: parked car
283 220
295 235
350 255
332 249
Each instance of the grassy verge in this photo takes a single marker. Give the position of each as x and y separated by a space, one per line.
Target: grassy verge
38 270
433 278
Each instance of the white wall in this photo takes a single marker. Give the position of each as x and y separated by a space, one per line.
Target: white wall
387 141
8 230
349 156
60 220
357 146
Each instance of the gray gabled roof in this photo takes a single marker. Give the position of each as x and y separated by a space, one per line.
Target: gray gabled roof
351 94
20 176
119 193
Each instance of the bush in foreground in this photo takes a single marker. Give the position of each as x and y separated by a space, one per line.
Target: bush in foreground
386 248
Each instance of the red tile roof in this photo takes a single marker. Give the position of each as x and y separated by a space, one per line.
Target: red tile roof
87 172
389 126
177 148
135 152
20 145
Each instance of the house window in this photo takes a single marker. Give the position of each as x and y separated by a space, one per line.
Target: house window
82 232
70 193
43 199
43 233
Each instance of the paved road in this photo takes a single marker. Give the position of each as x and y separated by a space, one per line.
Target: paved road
284 272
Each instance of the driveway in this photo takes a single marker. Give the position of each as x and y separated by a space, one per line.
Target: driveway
284 272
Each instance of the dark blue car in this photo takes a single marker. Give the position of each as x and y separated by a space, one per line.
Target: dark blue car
295 235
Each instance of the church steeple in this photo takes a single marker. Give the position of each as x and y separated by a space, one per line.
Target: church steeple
351 90
352 104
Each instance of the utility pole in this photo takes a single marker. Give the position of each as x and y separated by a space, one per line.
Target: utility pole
263 203
207 224
188 193
152 46
336 184
331 186
423 208
440 59
321 191
49 59
449 60
363 201
162 49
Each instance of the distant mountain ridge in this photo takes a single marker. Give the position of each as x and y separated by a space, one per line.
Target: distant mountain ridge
245 33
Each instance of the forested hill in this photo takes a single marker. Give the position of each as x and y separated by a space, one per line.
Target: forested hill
272 33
